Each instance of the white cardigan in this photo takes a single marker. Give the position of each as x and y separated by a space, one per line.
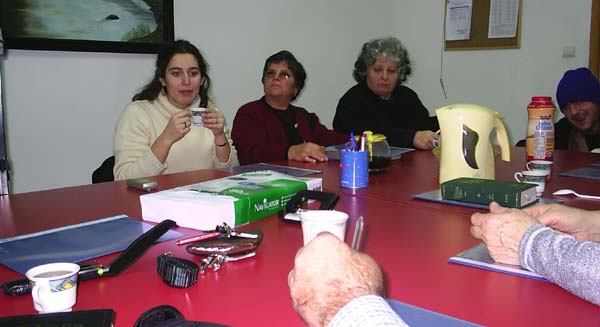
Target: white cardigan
140 125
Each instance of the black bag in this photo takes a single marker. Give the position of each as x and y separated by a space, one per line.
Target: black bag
168 316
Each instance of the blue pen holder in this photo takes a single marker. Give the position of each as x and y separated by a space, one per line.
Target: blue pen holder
355 168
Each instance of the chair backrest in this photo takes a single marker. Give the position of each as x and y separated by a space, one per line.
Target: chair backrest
104 173
520 143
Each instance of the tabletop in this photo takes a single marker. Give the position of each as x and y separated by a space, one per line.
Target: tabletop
411 240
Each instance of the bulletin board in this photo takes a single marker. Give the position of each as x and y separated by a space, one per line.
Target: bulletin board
479 40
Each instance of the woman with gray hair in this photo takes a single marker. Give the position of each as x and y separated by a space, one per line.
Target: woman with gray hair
379 103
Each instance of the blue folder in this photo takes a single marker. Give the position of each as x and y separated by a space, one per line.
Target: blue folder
583 172
74 243
292 171
415 316
436 196
333 151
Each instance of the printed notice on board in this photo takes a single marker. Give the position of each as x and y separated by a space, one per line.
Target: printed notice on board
458 20
504 15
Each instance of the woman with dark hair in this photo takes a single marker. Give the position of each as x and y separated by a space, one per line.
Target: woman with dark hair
271 129
154 134
380 103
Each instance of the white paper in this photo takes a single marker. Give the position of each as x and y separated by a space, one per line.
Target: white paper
504 15
458 19
199 206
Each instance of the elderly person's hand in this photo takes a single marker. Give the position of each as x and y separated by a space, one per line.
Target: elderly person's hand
213 120
581 224
308 152
424 139
502 231
327 275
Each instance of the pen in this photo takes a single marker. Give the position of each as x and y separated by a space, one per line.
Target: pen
358 230
363 141
352 142
244 235
201 237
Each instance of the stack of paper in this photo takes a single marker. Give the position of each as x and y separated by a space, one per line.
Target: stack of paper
235 200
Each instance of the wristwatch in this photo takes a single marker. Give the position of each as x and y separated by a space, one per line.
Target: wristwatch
176 272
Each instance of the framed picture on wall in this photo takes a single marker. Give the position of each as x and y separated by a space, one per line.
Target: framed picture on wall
136 26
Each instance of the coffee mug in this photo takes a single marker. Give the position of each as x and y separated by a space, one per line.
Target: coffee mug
533 177
317 221
541 165
197 116
54 286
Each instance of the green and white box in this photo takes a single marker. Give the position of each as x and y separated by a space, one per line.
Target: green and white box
235 200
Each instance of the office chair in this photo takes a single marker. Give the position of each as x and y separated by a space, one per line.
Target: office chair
104 173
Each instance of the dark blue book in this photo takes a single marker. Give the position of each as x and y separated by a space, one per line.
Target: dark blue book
74 243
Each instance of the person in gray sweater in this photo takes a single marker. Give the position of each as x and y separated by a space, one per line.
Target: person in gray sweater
558 242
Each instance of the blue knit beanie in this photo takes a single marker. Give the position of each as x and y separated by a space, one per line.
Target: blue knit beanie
577 85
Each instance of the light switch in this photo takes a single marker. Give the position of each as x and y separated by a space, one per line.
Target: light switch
568 52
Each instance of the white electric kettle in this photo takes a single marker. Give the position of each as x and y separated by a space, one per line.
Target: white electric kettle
467 150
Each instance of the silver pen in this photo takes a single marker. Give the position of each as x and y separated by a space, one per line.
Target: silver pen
358 229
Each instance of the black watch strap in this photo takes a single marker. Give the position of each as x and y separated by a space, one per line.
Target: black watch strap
176 272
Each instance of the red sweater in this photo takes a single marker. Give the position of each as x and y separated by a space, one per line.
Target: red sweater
259 135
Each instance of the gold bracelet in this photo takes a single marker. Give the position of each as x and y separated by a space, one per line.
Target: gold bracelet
222 145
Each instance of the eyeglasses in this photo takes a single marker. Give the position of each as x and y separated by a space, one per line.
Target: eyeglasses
283 74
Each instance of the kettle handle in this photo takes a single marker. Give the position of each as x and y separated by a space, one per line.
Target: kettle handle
502 136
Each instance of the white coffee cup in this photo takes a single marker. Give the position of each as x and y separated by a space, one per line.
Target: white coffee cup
317 221
54 286
197 116
537 177
541 165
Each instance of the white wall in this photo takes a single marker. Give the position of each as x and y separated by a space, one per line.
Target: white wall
61 107
503 80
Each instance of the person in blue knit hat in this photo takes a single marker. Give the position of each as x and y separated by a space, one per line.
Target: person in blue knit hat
578 97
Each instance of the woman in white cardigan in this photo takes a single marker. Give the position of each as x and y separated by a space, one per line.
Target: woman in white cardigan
155 135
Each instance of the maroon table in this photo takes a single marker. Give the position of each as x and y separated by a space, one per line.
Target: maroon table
411 240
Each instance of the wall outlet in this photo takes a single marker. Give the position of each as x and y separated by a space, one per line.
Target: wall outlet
568 52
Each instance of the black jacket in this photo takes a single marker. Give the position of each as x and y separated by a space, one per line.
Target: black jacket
562 137
398 118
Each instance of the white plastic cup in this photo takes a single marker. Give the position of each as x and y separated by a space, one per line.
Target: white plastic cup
197 116
54 286
317 221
